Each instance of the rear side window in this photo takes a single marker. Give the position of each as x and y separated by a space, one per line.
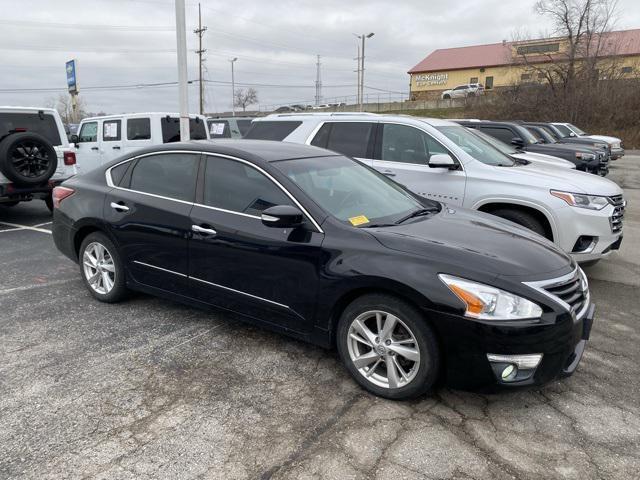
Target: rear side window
219 129
117 173
111 130
42 124
197 129
271 130
88 132
138 129
237 187
243 126
171 175
171 129
348 138
503 134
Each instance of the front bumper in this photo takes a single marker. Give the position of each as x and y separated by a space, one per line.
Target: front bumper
467 343
617 153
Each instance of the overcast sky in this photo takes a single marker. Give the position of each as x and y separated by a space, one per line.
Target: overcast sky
132 42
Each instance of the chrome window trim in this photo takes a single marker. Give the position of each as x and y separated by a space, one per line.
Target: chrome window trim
270 177
540 285
160 268
229 157
241 292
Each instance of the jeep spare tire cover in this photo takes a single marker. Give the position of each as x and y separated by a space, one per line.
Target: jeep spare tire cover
27 158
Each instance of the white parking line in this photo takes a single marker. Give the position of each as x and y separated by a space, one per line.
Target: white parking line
23 227
43 224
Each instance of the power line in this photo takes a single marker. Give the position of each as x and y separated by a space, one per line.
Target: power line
84 26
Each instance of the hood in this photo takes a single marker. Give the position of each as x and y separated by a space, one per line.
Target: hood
566 147
544 160
574 181
604 138
475 241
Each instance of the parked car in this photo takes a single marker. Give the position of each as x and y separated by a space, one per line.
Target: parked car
228 127
101 139
437 159
558 137
318 246
35 154
528 157
587 159
542 136
570 130
463 91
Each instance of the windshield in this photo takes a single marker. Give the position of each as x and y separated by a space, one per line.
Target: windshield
576 129
527 135
503 147
351 192
551 132
564 130
476 147
541 134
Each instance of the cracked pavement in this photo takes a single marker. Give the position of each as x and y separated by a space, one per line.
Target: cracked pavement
149 389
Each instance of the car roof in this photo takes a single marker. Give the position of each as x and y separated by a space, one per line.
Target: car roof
213 119
354 116
140 114
27 109
257 151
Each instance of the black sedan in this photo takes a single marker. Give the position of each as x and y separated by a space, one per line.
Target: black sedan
320 247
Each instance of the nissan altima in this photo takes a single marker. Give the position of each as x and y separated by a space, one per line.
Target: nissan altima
318 246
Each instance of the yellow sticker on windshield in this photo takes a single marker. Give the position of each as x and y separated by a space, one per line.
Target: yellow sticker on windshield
359 220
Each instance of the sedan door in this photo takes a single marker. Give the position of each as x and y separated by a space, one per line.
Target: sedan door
238 263
147 212
402 152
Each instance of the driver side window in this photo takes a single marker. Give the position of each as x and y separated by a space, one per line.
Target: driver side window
405 144
238 187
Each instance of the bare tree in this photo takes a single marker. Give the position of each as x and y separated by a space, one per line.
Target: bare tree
244 98
64 105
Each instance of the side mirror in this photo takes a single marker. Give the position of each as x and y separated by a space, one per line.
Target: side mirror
517 141
73 138
441 160
572 134
282 216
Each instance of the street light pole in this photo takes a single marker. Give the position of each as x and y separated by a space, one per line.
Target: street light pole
233 88
183 94
363 37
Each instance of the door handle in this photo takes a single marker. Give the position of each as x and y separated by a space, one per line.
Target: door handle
94 148
389 173
119 207
116 147
203 230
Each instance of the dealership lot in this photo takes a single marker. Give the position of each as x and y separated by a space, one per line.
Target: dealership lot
152 389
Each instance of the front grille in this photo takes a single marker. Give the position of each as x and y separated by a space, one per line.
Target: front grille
617 216
603 157
571 291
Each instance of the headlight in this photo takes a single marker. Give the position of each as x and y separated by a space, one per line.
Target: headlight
592 202
601 145
585 156
489 303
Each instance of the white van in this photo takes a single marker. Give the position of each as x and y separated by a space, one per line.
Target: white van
102 139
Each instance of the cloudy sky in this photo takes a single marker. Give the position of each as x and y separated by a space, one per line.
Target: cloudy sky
122 44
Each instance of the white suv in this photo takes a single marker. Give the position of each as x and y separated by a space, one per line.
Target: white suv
35 155
437 159
102 139
463 91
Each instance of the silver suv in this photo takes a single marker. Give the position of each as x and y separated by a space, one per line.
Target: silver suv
464 91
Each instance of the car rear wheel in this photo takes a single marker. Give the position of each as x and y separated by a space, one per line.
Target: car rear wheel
101 268
27 158
523 219
388 347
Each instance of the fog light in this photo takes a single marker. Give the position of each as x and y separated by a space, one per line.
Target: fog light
585 244
514 368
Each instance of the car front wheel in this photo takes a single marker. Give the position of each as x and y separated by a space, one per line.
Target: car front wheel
388 347
101 268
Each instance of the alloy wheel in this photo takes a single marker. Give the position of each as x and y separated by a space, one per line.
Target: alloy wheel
99 268
30 159
383 349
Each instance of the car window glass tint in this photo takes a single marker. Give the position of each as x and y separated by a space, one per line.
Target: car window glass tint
475 146
117 173
271 130
219 129
404 144
503 134
564 130
170 129
322 136
197 129
170 175
88 132
138 129
350 138
111 130
243 126
42 124
238 187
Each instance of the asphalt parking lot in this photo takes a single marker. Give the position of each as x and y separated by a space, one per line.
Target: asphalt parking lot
152 389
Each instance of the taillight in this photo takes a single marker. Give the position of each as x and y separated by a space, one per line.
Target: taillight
69 158
60 193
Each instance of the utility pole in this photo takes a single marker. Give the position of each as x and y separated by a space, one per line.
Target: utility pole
318 83
233 88
358 70
183 93
200 31
361 82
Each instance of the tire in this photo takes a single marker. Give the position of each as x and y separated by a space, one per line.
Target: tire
523 219
92 246
49 202
421 372
27 158
446 97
